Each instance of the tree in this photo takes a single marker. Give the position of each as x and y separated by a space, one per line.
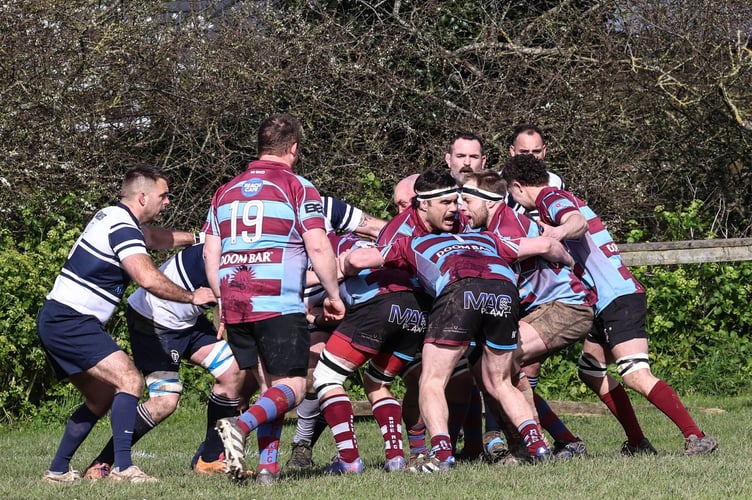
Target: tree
645 103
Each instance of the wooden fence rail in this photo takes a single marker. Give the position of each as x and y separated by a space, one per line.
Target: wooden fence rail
686 252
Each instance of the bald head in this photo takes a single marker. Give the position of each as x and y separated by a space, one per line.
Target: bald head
404 192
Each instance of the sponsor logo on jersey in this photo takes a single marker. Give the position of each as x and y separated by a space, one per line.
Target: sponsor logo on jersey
460 246
313 207
260 257
252 187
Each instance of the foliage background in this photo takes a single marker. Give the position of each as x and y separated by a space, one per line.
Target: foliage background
645 104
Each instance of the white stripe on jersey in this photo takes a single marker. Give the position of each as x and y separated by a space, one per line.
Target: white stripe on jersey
92 280
185 269
340 216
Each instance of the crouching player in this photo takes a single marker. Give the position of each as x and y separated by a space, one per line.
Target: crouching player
162 333
475 299
384 325
618 334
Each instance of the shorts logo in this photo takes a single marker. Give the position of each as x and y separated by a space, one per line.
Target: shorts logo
411 320
252 187
489 303
175 357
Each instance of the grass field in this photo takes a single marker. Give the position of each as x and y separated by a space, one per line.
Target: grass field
166 452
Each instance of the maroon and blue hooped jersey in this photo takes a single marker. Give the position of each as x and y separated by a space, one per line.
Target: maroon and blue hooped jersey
261 216
598 261
538 280
441 259
369 283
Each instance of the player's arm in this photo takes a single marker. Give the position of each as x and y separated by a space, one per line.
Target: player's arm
361 258
161 238
143 271
369 226
572 226
212 257
546 247
324 264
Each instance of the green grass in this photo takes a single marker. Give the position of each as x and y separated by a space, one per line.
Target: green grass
166 452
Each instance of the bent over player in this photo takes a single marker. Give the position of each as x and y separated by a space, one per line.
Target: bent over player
162 333
110 252
618 334
475 299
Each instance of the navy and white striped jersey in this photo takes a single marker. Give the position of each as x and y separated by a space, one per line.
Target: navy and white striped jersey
92 280
340 216
186 269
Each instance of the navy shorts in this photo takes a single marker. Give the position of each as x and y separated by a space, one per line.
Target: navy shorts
74 342
156 348
623 319
281 342
486 311
389 323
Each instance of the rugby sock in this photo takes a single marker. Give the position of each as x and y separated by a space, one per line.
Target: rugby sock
531 433
551 422
274 402
338 412
618 403
457 415
268 435
441 447
491 423
416 436
319 427
665 399
388 414
308 412
473 427
123 420
76 429
217 407
144 423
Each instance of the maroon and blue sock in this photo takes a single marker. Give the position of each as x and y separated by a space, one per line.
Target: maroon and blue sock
268 435
275 402
416 437
388 414
530 432
441 447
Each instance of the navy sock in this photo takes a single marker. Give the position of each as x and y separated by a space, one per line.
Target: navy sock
218 407
144 423
123 420
76 429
